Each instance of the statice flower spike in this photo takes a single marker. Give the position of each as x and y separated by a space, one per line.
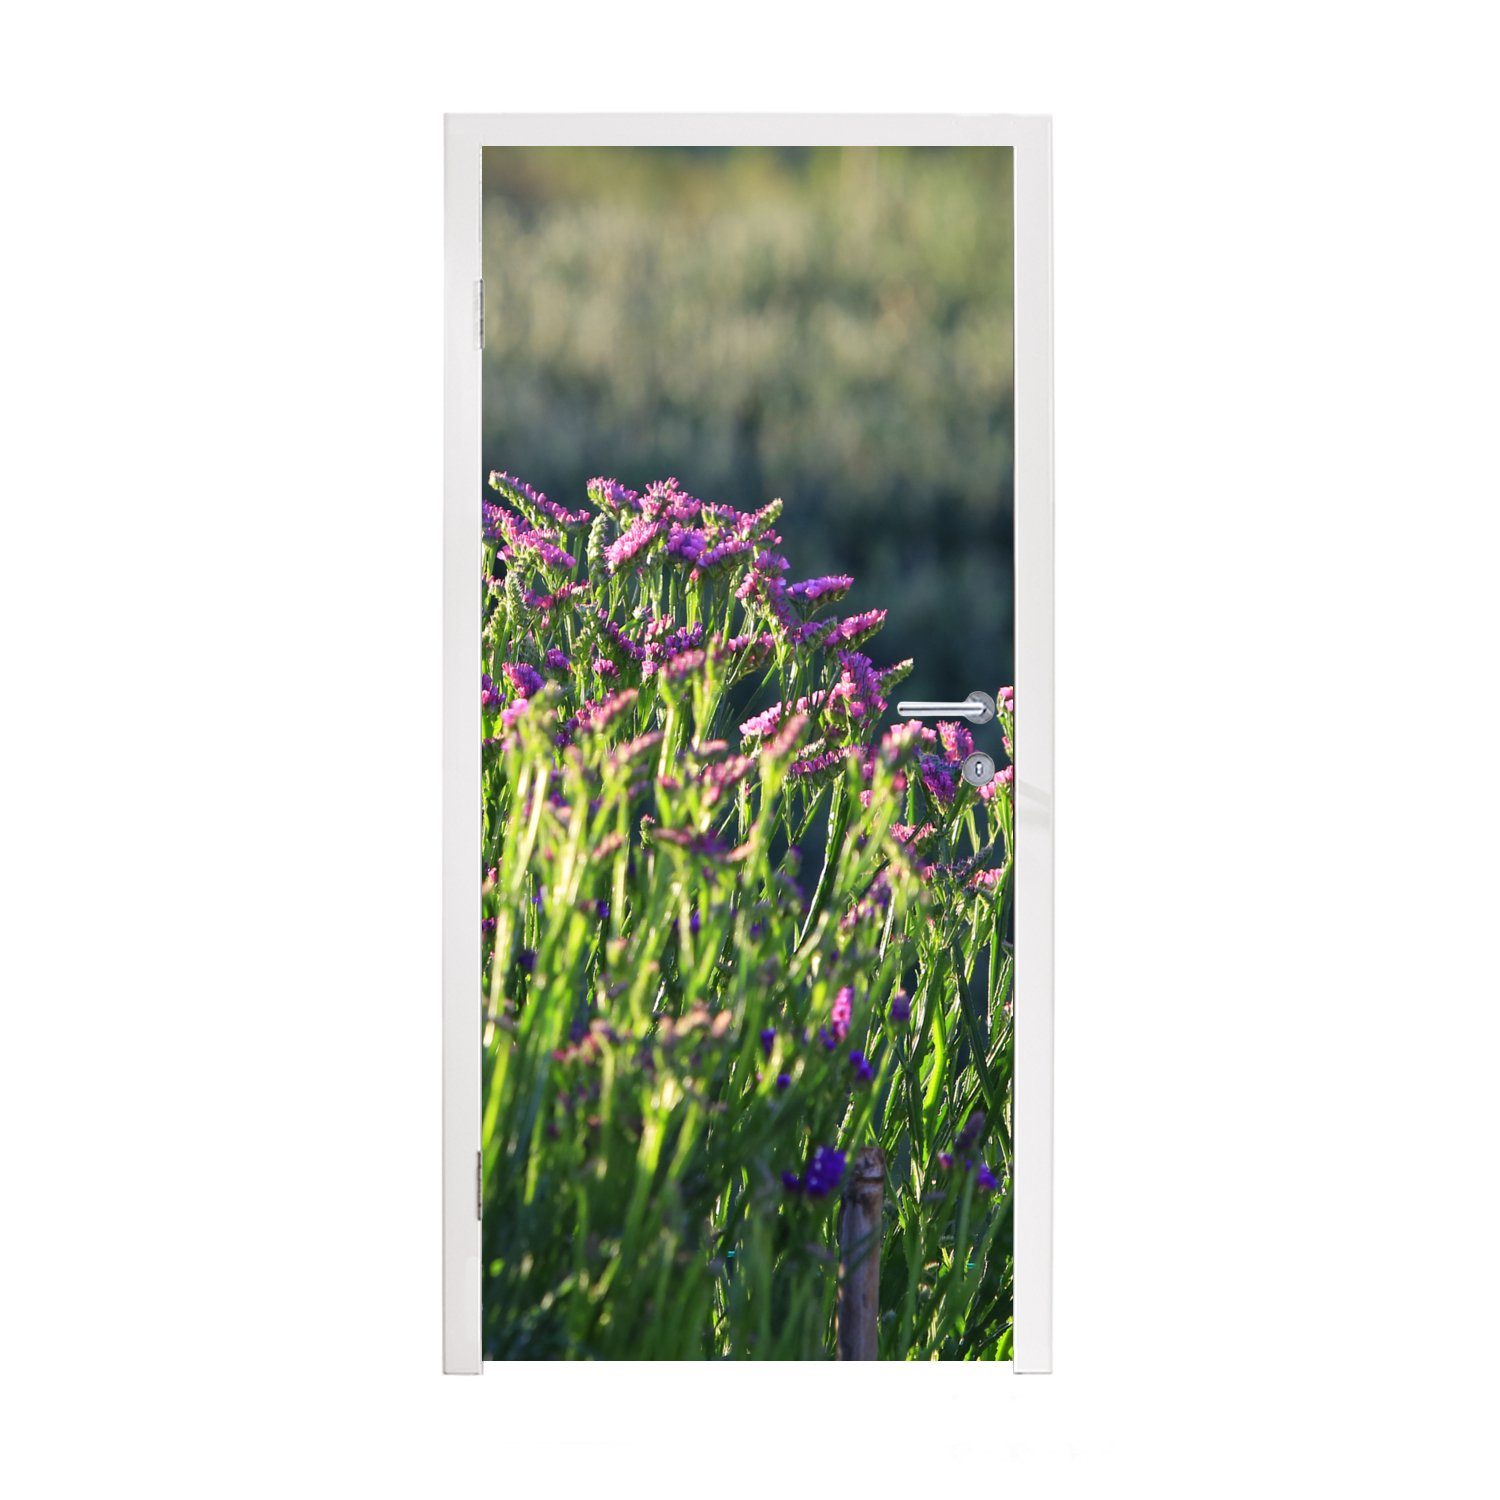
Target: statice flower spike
612 495
629 546
519 493
811 589
842 1012
854 630
533 540
956 740
762 723
686 543
938 778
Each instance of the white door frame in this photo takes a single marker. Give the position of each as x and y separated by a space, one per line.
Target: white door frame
465 137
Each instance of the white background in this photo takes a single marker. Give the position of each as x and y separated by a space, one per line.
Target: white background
219 619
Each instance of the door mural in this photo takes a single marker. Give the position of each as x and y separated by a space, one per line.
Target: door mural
747 930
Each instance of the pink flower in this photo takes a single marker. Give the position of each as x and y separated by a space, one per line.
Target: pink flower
956 739
634 541
843 1012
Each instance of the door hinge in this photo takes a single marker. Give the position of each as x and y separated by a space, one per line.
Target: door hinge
479 311
479 1185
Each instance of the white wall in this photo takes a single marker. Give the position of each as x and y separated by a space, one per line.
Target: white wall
219 590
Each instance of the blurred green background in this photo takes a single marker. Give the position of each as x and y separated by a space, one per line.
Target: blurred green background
828 325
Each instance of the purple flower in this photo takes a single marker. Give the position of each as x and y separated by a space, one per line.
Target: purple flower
601 910
937 777
945 1160
970 1133
900 1007
791 1182
686 543
984 1179
558 660
768 1040
526 959
489 696
695 922
681 665
825 1170
633 649
863 1072
783 1082
680 640
525 679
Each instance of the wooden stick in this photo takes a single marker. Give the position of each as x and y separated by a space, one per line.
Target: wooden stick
859 1251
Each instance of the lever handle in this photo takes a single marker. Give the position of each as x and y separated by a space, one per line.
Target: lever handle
977 708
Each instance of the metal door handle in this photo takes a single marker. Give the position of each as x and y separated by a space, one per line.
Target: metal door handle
977 708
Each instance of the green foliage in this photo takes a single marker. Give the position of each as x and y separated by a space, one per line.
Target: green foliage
681 1006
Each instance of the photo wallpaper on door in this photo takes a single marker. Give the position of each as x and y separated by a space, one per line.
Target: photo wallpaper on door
747 1009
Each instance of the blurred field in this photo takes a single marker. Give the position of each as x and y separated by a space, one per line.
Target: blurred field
830 326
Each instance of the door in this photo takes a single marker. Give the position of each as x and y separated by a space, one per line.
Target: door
748 847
